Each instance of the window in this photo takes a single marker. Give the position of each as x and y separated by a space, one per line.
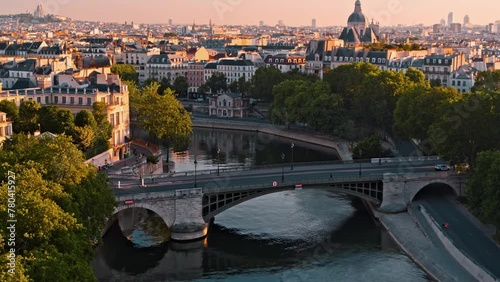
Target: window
453 83
39 99
89 101
464 83
458 83
80 100
46 99
56 100
71 100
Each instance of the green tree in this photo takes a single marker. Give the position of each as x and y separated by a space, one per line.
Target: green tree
164 84
12 112
233 86
56 120
217 82
61 206
181 85
28 116
483 191
419 107
127 72
163 116
487 80
10 109
85 117
370 147
467 127
263 81
416 76
244 85
84 137
347 80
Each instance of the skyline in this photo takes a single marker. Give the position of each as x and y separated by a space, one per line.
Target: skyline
227 12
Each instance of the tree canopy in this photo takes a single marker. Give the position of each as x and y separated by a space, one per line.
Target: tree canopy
62 204
126 72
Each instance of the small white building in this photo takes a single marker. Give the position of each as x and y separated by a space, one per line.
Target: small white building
463 78
229 105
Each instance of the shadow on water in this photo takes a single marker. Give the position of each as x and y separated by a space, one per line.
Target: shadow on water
121 254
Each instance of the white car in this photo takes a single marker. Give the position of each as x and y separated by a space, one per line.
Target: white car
441 167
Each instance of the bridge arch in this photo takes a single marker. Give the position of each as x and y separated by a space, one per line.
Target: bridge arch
167 218
436 186
434 189
216 203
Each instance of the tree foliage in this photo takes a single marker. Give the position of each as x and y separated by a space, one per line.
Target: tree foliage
487 80
126 72
61 206
28 116
263 81
419 107
163 116
180 86
483 191
468 126
370 147
216 83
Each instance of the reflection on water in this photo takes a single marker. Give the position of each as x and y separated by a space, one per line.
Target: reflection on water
310 233
305 235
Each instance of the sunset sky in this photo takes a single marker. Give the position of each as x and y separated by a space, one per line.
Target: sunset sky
297 13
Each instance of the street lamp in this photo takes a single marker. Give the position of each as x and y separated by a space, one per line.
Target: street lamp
195 163
282 167
218 161
291 168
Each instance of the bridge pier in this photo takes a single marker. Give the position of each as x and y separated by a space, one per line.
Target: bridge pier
394 197
189 224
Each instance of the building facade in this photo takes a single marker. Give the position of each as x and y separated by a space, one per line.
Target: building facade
229 105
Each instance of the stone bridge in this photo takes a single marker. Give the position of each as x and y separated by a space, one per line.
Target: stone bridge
187 212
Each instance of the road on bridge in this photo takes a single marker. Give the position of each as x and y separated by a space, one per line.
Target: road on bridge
466 235
268 176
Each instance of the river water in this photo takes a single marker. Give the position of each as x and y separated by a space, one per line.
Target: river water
304 235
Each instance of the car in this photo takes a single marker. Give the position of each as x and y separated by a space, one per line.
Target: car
441 167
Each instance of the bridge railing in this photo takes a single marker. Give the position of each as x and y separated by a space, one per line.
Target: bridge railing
275 166
291 184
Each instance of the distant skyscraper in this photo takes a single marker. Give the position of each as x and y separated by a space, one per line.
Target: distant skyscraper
313 23
466 20
450 18
442 22
280 23
170 22
261 23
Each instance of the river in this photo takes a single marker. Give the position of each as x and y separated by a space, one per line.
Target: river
304 235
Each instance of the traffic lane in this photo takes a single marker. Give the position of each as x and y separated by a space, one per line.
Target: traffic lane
466 236
295 175
398 167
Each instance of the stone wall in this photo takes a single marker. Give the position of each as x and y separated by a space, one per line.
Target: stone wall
341 147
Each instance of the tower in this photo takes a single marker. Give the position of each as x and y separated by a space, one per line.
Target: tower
466 20
313 23
357 20
450 18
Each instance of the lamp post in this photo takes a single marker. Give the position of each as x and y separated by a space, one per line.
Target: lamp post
218 161
195 163
282 167
291 168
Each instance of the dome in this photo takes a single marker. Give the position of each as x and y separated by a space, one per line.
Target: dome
356 17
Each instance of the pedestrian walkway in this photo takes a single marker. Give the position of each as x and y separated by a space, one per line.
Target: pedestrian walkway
427 252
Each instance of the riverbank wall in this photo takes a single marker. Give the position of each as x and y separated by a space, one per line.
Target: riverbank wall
341 146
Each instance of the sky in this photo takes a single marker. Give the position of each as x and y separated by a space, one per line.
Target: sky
292 12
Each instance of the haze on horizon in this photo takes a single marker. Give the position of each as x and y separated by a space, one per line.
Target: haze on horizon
292 12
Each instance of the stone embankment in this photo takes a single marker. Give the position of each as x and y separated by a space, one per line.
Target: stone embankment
341 146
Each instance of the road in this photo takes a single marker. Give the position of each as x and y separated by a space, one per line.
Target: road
466 235
267 176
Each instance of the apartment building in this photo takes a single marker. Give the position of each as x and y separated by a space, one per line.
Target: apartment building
77 96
